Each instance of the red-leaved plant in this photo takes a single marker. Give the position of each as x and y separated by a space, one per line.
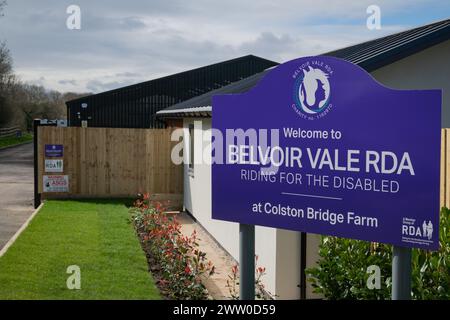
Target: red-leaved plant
181 265
260 291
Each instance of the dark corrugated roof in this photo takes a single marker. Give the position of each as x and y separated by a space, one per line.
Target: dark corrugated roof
369 55
212 68
135 106
204 100
374 54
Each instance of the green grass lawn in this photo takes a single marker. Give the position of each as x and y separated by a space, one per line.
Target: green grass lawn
95 235
10 141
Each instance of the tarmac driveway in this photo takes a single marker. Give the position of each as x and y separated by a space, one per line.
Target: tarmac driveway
16 189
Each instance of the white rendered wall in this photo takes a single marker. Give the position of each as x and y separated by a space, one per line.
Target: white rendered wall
427 69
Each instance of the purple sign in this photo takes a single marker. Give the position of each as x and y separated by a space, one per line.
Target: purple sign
54 150
319 146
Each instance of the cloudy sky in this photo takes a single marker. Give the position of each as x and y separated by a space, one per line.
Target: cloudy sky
128 41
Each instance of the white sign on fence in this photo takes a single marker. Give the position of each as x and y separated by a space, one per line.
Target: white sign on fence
56 165
56 183
61 123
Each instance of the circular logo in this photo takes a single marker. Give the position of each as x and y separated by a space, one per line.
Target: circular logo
312 91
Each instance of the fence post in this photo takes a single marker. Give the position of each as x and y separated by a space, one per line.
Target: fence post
37 195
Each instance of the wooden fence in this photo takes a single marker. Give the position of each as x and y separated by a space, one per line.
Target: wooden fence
8 132
445 168
112 162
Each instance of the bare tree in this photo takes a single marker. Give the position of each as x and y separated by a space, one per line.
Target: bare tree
2 6
5 77
6 80
20 102
5 64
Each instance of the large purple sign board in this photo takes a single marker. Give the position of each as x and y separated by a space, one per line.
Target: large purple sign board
319 146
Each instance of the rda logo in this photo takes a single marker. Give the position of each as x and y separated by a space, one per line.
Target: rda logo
423 231
312 90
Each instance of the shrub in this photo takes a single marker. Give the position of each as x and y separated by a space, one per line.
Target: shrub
260 291
180 263
341 270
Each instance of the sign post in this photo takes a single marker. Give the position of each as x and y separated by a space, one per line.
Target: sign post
401 273
319 146
246 262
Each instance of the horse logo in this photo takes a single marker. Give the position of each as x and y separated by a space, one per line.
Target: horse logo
312 91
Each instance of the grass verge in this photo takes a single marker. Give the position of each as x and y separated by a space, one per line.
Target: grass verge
11 141
95 235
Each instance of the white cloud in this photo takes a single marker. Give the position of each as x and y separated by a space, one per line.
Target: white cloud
68 82
123 42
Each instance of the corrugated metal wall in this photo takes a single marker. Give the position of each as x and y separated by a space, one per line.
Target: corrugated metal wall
135 106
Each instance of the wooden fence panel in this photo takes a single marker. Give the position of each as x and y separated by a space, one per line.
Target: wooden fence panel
445 167
111 162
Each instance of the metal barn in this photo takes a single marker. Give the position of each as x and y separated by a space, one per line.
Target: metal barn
135 106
